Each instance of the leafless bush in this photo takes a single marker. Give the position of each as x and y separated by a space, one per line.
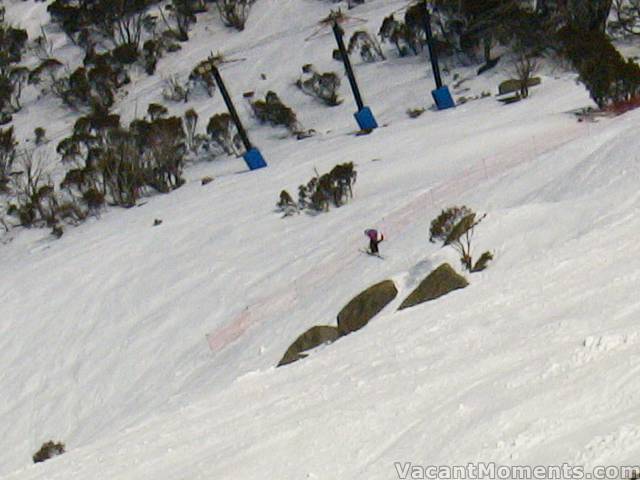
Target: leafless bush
182 12
524 68
323 86
190 124
367 46
35 196
174 91
8 145
224 134
234 13
626 15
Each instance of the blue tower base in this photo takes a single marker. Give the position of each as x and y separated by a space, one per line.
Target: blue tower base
365 119
254 159
443 98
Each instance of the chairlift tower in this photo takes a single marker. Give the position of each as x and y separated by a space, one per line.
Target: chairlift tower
364 115
252 156
441 95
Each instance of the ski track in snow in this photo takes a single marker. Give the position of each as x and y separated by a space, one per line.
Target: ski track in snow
395 224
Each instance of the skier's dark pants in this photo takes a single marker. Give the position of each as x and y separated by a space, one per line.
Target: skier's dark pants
373 246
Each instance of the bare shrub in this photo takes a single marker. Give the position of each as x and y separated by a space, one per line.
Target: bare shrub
8 146
234 13
524 68
174 90
46 73
407 36
192 139
122 168
151 52
367 46
224 134
323 86
36 199
182 13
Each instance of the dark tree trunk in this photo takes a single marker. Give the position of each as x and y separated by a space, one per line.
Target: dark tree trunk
588 15
542 7
487 43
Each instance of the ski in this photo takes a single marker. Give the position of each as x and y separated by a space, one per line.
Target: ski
372 254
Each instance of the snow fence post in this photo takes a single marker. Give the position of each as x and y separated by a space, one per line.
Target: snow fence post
252 156
364 115
441 94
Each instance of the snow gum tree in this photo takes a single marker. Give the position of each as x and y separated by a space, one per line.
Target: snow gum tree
455 226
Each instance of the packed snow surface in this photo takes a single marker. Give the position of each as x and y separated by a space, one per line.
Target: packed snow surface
151 351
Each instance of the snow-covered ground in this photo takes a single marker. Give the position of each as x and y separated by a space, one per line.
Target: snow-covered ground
150 351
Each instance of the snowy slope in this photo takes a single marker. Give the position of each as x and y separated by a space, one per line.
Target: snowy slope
150 351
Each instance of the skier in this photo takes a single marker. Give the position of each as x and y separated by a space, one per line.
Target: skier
375 238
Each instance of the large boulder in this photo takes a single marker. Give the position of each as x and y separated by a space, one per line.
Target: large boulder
313 337
357 313
441 281
513 85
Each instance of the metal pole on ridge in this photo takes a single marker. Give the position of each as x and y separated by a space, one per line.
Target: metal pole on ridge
252 155
432 53
441 94
364 115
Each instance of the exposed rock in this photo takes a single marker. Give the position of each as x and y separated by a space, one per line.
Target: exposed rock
312 338
357 313
513 85
441 281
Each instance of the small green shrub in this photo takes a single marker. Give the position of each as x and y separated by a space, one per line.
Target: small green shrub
40 135
125 54
334 187
286 204
156 111
48 450
482 262
271 110
415 112
93 84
